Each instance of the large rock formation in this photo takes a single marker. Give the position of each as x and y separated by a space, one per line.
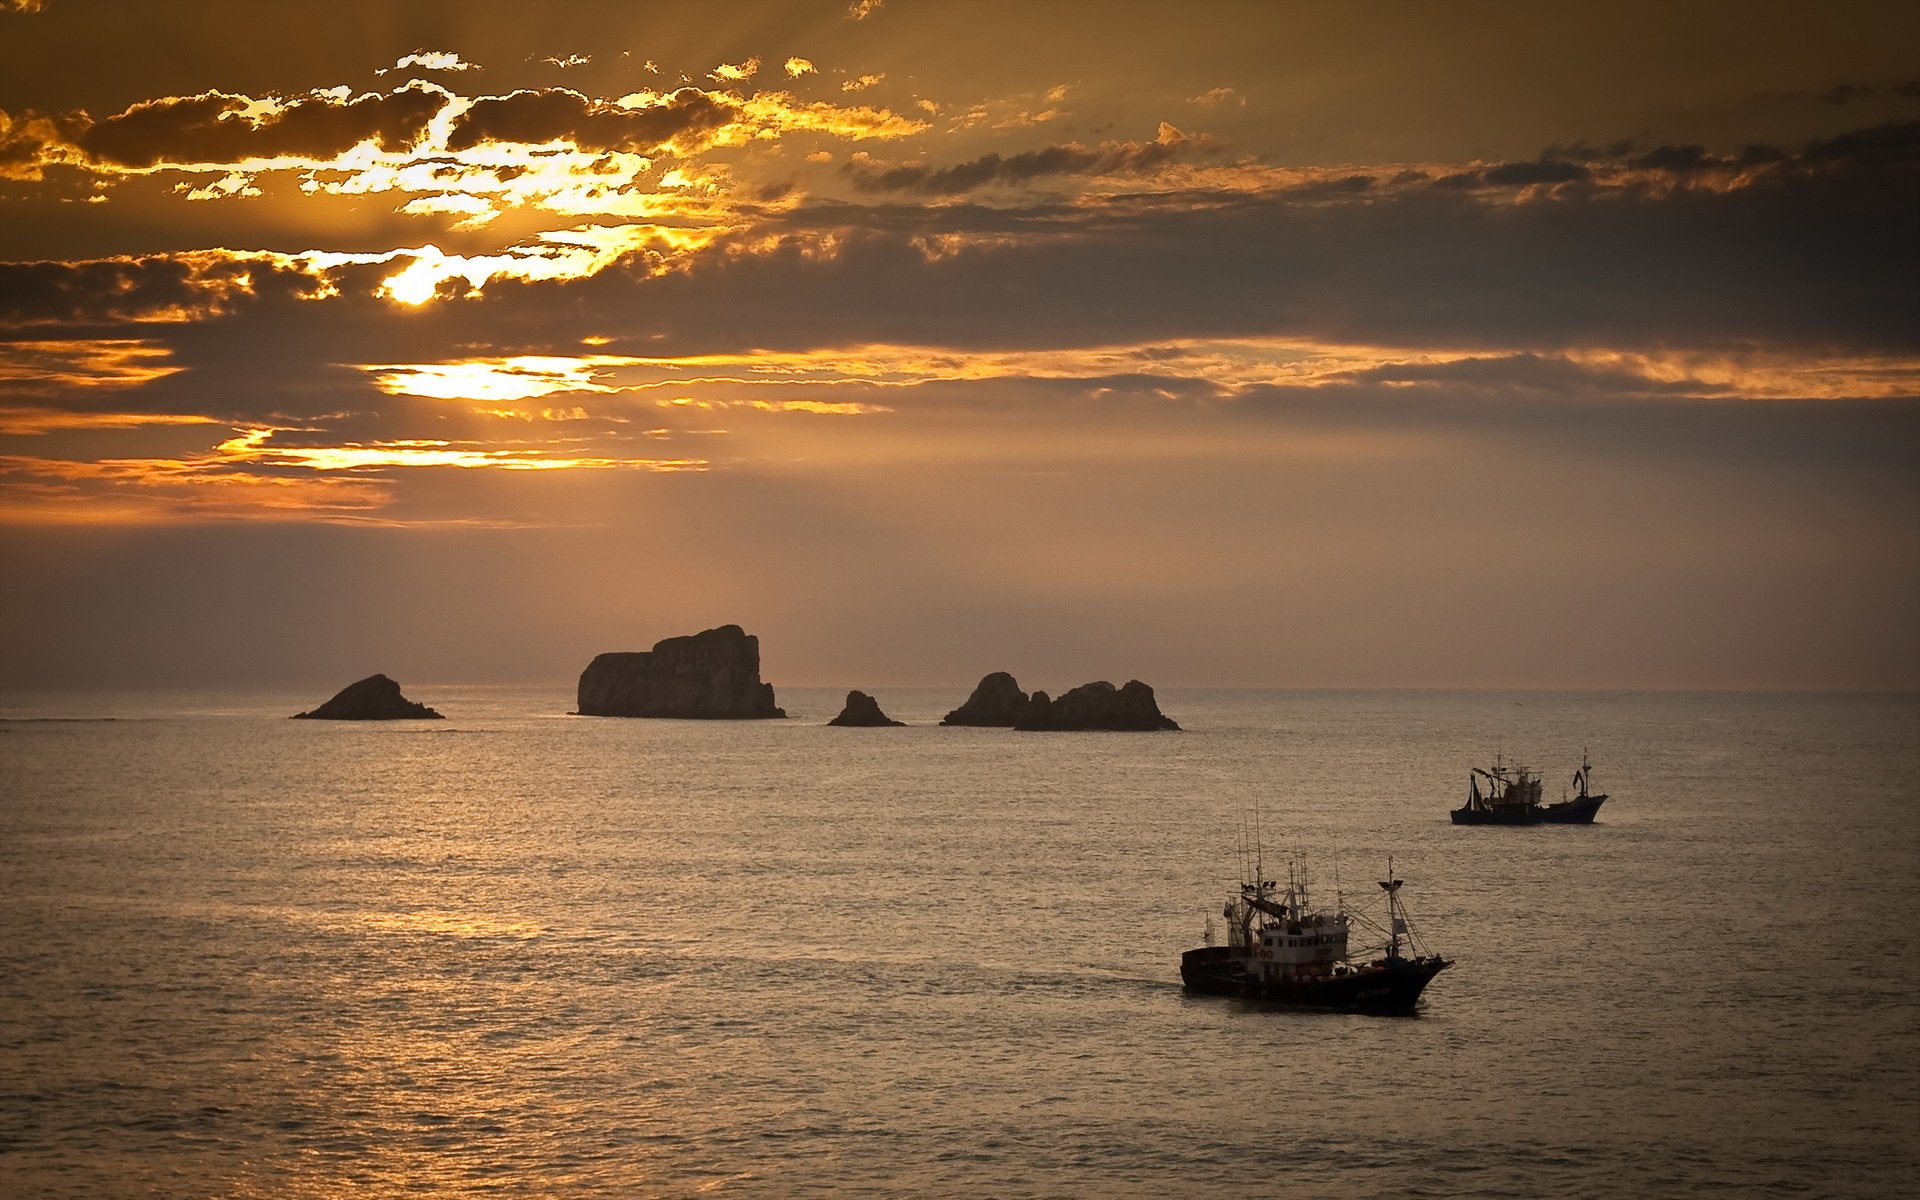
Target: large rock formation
862 711
712 675
375 698
1097 705
997 702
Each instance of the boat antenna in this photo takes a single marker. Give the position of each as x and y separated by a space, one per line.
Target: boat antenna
1240 848
1259 852
1392 887
1339 898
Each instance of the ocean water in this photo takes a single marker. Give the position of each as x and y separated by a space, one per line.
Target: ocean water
517 953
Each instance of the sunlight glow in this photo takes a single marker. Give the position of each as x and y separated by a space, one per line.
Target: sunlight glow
562 254
522 377
251 446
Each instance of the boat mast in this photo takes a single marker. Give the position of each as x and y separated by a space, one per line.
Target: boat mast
1392 888
1259 853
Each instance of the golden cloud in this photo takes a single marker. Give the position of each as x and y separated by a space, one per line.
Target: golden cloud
252 476
550 148
26 421
58 365
734 72
134 490
431 60
1215 97
1223 367
820 407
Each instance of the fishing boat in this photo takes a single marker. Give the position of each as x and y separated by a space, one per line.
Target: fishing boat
1281 948
1580 808
1512 797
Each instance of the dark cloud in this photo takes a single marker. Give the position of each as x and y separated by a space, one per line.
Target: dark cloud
1894 142
1347 185
208 128
1820 255
1110 158
1524 174
1586 152
1678 160
1847 93
559 114
1528 375
1815 252
148 288
1757 154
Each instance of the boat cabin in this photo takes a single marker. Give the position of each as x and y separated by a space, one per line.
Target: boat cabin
1308 945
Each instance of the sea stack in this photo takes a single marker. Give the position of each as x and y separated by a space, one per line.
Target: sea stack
711 675
375 698
1097 705
996 703
863 712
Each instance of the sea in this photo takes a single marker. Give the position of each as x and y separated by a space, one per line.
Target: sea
518 953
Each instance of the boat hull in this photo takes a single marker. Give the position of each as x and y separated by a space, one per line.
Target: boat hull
1572 812
1566 812
1527 815
1389 985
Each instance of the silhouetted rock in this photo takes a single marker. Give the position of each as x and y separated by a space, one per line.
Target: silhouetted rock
375 698
997 701
712 675
862 710
1097 705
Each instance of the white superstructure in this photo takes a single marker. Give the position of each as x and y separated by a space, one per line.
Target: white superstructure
1282 935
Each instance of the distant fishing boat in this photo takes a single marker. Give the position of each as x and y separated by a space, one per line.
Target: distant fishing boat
1512 797
1281 948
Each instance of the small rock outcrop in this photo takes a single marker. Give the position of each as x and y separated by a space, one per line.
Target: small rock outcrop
863 711
996 702
711 675
1097 705
375 698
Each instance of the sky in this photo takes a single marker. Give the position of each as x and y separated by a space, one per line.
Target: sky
1239 345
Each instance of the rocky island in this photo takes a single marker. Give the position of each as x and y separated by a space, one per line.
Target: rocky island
1097 705
862 711
375 698
998 702
711 675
